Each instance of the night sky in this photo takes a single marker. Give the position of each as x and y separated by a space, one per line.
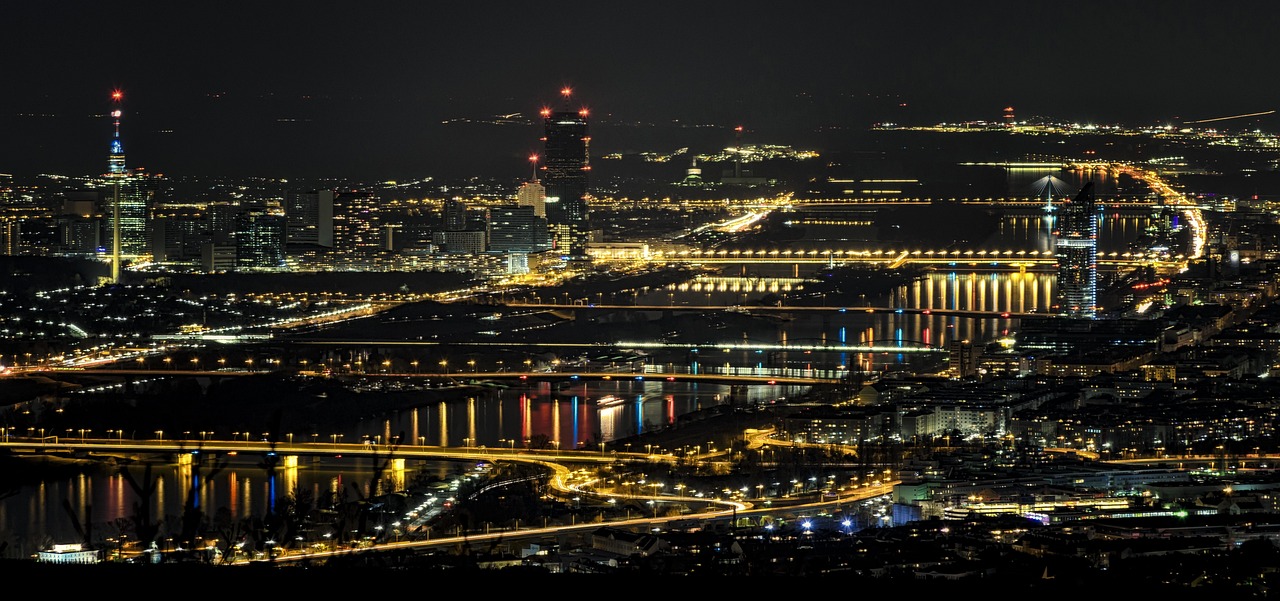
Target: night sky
365 89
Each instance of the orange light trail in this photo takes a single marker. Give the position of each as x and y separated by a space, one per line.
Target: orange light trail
1259 114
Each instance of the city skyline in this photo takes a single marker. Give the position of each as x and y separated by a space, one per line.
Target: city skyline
413 91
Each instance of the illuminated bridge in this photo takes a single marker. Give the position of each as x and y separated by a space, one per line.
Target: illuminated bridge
892 258
1026 202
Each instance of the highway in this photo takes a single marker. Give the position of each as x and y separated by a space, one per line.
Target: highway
717 510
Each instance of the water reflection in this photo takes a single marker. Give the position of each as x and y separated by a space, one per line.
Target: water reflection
224 489
561 415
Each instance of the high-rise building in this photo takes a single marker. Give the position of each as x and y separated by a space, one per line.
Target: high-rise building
355 222
455 215
515 228
220 220
533 194
80 222
260 240
309 215
566 151
177 234
1076 239
10 236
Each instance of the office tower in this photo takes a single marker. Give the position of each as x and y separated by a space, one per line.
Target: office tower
962 358
260 239
218 256
177 234
220 220
1076 237
515 228
463 242
566 149
455 215
355 222
533 194
10 236
309 216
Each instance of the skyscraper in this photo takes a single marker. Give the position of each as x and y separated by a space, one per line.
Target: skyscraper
356 222
566 153
1076 237
310 217
516 228
533 194
260 240
455 215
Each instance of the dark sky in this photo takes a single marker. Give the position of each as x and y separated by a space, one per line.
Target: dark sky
361 89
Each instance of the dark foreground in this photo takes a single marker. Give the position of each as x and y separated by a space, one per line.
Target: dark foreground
328 580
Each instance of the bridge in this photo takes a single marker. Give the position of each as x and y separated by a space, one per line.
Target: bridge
1143 201
759 376
1162 194
289 448
887 258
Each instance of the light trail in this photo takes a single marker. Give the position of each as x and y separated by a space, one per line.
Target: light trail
1258 114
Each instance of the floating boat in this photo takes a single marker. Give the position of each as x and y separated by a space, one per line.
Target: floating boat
610 400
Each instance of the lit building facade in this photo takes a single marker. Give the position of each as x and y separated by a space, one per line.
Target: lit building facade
455 215
356 225
566 150
1076 237
533 194
516 228
310 217
260 240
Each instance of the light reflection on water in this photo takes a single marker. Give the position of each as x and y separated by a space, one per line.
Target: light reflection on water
563 415
240 488
497 418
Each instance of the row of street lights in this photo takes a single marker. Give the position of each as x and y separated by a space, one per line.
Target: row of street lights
358 365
